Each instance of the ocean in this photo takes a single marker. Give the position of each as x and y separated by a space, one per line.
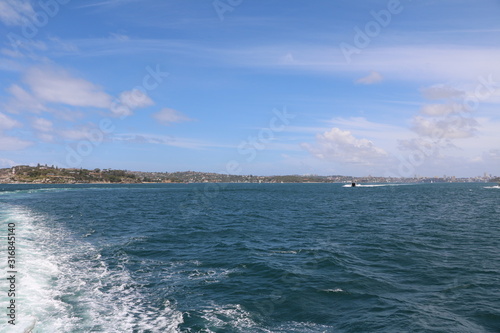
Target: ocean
250 258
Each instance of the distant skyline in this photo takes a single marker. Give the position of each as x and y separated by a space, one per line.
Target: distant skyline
381 88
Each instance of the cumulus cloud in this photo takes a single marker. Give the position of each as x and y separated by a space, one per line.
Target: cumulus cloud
58 86
51 89
372 78
130 100
342 146
135 99
167 116
452 127
13 12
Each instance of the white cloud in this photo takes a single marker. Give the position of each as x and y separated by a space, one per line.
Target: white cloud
342 146
8 142
23 101
441 92
361 123
130 100
383 134
119 37
14 12
429 62
135 99
12 143
167 116
62 46
26 48
452 127
42 125
75 134
439 110
438 63
431 146
7 122
372 78
58 86
107 3
492 155
168 140
288 59
6 163
46 137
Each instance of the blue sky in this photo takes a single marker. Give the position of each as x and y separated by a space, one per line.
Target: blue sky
387 88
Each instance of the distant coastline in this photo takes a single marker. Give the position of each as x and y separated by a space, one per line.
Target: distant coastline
44 174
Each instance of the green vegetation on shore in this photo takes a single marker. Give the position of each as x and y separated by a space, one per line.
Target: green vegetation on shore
44 174
54 175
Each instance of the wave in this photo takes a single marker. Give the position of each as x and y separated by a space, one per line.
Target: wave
4 191
493 187
78 291
234 318
336 290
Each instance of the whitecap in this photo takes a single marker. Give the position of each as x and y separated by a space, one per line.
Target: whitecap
336 290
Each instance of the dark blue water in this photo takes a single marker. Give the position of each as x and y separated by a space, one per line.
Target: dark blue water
253 258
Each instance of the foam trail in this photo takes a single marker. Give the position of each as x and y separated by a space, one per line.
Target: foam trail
29 329
65 286
374 185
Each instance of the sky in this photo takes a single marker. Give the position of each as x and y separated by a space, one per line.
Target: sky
331 87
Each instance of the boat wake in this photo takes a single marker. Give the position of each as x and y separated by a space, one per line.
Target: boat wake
374 185
75 285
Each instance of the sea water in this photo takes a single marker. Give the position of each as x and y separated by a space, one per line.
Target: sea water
251 258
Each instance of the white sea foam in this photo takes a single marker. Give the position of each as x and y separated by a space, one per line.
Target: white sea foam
64 285
230 317
374 185
234 318
285 252
213 275
336 290
494 187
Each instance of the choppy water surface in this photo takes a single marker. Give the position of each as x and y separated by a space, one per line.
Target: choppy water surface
253 258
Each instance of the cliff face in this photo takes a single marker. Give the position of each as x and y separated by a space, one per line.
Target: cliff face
6 176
